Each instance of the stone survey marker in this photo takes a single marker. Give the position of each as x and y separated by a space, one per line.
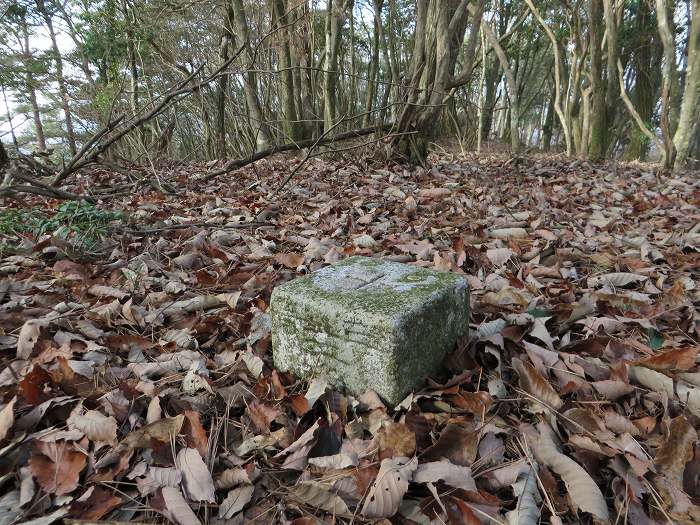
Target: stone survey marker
368 324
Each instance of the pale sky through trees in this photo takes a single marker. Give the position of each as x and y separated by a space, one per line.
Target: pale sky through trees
304 66
40 42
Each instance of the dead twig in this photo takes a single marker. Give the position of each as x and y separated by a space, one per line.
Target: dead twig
97 148
170 227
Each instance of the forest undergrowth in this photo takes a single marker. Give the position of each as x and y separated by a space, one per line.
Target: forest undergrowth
137 382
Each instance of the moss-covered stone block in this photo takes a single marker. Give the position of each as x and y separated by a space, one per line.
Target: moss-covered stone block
366 324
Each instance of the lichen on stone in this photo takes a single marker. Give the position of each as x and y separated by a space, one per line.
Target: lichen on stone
365 323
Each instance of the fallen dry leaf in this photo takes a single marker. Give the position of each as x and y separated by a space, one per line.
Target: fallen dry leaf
7 418
670 461
290 260
176 509
196 478
456 444
396 440
235 501
534 384
677 359
527 511
583 492
57 466
107 291
388 489
99 503
499 256
95 425
232 477
262 415
453 475
162 430
194 433
612 389
677 449
619 279
508 233
28 336
316 494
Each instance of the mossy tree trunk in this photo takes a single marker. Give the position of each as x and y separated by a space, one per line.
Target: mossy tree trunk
691 93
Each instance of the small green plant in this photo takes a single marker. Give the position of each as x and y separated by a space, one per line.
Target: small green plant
78 222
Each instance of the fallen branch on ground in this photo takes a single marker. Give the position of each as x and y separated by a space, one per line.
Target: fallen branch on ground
52 193
186 225
19 170
293 146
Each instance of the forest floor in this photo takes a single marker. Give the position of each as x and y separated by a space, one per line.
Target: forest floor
137 381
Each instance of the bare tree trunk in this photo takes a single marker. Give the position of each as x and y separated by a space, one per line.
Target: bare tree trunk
689 106
644 88
491 80
372 75
556 103
250 83
301 47
335 16
480 125
596 148
284 60
390 74
9 117
512 87
129 20
222 84
670 87
585 130
352 103
296 53
58 62
438 38
638 120
79 45
131 54
548 125
31 89
611 91
449 27
393 59
572 103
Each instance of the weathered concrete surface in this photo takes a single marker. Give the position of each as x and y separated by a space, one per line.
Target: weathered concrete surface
368 324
